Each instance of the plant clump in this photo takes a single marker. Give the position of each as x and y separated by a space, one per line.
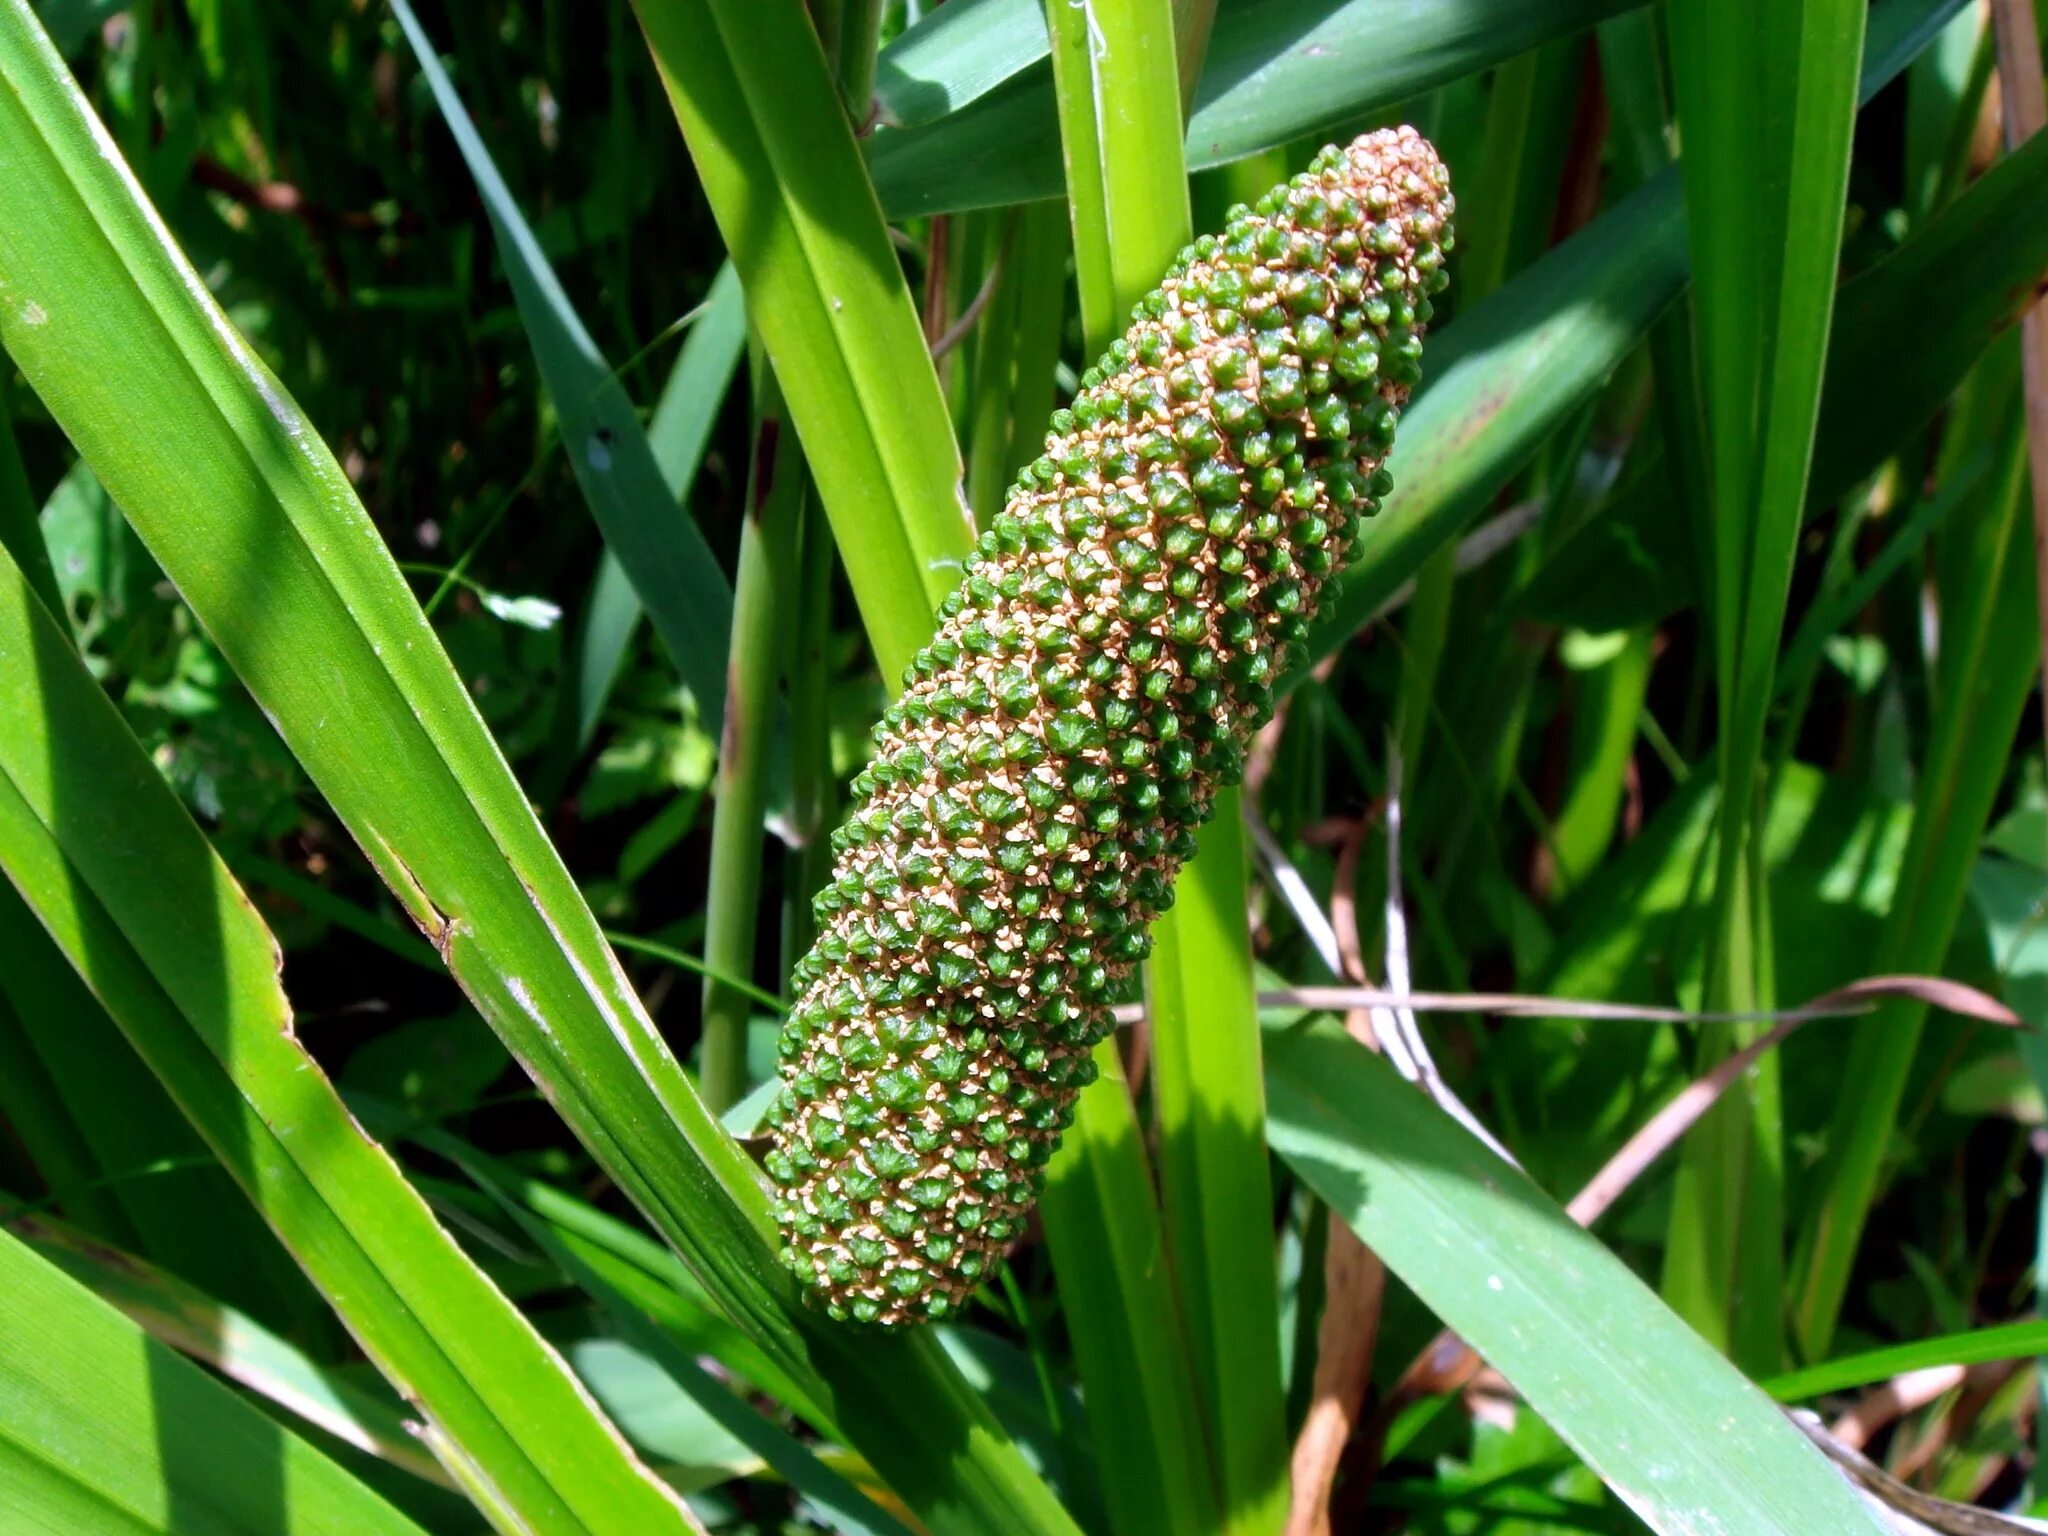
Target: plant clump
1094 682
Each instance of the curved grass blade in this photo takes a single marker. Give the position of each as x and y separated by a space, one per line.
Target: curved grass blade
1580 1337
99 848
1275 71
656 541
678 432
269 546
105 1430
762 118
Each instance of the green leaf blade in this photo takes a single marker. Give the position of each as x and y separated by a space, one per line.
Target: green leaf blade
105 1430
1582 1339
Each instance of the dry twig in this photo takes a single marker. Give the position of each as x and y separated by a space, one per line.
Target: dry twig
1354 1280
2024 104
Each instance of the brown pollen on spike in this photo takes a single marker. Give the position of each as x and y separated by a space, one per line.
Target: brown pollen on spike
1093 683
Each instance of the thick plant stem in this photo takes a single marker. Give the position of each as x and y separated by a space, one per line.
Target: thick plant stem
813 793
765 582
1213 1176
1121 108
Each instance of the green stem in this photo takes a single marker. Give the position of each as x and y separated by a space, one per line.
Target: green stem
1213 1173
762 588
1116 79
989 465
813 793
860 30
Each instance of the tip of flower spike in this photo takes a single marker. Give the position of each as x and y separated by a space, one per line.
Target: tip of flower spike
1401 183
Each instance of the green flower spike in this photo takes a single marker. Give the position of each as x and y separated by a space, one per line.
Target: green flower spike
1093 683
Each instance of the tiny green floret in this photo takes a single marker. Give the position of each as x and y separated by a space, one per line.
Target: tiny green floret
1094 682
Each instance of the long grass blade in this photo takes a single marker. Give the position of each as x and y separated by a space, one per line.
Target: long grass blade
1503 376
1499 380
1979 1346
198 1325
678 432
1953 280
60 1159
953 56
1115 1277
1989 656
189 1216
90 1112
847 1509
626 1258
1117 86
1214 1181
